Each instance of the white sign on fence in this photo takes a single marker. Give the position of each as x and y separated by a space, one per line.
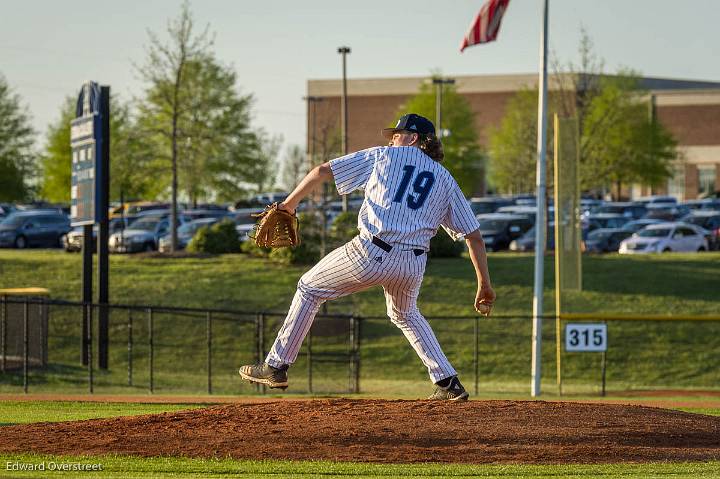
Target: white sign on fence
585 337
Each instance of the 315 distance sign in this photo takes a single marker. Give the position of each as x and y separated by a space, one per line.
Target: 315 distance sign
586 337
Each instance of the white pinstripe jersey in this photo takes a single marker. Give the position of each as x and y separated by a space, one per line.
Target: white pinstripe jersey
408 195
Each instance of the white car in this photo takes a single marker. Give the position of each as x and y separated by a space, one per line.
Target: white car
665 237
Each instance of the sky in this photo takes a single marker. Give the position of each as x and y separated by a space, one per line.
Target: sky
49 48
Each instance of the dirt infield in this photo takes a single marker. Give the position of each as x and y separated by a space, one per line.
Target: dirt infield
530 432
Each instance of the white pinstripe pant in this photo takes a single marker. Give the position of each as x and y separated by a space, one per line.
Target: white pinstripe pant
354 267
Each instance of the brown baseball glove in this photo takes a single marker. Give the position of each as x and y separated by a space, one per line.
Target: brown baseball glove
276 228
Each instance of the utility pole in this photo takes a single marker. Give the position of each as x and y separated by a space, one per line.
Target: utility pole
439 84
312 141
344 113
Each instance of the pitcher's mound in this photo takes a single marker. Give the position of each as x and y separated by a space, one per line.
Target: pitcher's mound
390 431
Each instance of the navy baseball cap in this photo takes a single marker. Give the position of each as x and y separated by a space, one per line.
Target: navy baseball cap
412 123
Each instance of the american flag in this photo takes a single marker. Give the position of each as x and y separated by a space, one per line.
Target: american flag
486 25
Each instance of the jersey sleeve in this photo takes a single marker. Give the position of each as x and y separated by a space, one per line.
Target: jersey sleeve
459 219
351 172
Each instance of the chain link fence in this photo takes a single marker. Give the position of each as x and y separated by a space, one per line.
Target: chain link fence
161 350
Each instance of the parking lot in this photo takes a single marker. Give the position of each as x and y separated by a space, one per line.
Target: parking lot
656 224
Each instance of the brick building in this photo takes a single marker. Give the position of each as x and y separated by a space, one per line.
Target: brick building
689 109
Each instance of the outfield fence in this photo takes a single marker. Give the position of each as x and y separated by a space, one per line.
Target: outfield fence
169 350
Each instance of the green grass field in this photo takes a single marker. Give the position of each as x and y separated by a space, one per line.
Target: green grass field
655 284
13 412
172 467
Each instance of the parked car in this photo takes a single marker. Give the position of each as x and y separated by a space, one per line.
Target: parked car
72 241
623 208
654 199
587 204
499 229
528 212
605 240
666 211
709 221
216 213
665 237
527 241
185 233
143 234
703 204
524 200
6 209
488 204
136 207
636 225
22 229
606 220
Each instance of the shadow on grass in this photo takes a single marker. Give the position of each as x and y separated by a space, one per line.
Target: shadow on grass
54 373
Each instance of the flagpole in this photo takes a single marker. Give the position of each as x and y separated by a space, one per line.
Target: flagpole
540 227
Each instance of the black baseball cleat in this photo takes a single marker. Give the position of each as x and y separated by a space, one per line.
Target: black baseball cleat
263 373
452 392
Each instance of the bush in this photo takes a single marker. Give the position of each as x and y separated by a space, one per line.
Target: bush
343 229
308 251
443 246
249 247
217 239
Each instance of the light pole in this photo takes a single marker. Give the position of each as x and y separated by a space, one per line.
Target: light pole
312 100
344 115
439 83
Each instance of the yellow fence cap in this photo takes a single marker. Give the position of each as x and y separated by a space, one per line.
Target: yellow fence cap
24 292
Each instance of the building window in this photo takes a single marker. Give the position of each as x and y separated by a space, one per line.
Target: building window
706 180
676 184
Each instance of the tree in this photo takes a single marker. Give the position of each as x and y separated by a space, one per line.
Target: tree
225 150
463 156
168 95
130 160
619 141
16 140
56 160
294 167
513 145
198 123
133 172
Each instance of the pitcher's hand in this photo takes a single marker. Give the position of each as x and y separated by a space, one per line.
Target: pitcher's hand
484 300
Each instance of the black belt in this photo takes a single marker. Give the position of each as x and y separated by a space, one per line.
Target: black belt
384 246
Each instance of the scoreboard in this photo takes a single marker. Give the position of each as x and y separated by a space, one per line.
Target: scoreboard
86 137
84 156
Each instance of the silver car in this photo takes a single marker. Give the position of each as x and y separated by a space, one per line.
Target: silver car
142 235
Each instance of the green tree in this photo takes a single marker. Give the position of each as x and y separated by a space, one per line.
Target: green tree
133 171
56 160
513 145
632 146
220 146
464 157
168 95
619 141
196 123
129 157
17 160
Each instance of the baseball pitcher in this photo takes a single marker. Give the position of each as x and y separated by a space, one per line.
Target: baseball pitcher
408 196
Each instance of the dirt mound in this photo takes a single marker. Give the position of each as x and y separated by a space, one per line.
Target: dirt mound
390 431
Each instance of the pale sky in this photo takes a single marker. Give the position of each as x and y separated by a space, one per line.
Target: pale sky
49 47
